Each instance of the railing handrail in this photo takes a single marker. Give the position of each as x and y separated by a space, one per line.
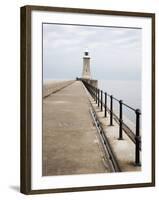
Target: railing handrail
97 94
130 107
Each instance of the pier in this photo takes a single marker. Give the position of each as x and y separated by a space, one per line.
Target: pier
70 142
82 132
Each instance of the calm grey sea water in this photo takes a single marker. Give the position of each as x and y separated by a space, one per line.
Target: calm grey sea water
128 91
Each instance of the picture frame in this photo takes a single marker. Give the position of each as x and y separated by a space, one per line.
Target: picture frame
30 31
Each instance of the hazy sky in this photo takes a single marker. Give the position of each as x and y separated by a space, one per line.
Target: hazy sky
115 52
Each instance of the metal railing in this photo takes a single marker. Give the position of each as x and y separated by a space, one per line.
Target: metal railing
101 99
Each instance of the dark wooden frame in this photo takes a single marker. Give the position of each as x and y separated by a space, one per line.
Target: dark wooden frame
25 182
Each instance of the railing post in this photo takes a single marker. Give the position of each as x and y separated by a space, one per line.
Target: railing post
111 110
120 120
101 101
96 94
98 97
137 138
105 114
93 92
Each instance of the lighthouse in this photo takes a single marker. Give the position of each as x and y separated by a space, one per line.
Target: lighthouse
86 73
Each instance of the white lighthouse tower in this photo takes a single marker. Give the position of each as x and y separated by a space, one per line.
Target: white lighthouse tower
86 74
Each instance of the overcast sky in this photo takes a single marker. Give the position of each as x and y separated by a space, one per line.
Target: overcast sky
115 52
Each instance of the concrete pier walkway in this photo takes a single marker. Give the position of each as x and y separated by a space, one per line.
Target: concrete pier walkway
54 86
70 142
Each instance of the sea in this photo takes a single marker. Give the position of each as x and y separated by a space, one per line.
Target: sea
127 90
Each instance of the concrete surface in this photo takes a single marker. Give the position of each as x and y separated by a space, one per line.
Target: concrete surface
53 86
70 143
